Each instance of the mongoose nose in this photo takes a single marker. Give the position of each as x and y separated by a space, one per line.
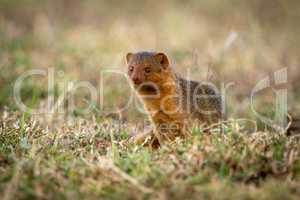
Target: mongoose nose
136 80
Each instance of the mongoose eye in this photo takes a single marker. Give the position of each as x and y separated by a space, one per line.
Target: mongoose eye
147 70
131 68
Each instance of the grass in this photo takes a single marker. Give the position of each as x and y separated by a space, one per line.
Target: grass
87 160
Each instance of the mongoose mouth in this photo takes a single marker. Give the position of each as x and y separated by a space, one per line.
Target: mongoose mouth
136 83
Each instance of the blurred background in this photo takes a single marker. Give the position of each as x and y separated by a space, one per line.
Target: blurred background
239 42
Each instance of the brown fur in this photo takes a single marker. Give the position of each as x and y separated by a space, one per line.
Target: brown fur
164 94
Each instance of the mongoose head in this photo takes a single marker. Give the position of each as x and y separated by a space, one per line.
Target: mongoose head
146 67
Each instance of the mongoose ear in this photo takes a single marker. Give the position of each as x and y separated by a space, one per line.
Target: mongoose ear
163 60
128 57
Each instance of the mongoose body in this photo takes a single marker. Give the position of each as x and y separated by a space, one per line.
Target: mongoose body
170 99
